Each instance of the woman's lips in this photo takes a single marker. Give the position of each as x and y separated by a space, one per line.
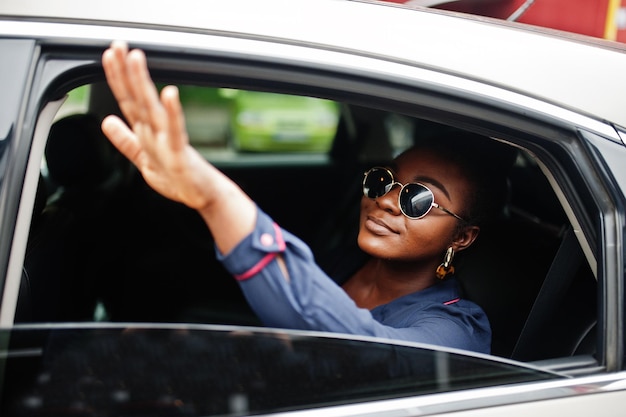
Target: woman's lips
378 226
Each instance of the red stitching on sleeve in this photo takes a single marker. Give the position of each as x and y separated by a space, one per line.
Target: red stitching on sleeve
256 268
456 300
266 259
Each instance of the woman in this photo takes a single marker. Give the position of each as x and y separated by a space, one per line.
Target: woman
414 219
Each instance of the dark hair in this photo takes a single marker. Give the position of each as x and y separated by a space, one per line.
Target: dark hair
486 163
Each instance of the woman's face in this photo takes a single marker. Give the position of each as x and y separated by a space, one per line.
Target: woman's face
388 234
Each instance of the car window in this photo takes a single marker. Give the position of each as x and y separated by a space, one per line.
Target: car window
200 370
108 245
225 124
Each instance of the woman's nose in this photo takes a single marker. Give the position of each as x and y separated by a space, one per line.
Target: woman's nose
389 202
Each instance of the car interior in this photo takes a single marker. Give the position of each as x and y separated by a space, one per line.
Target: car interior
104 247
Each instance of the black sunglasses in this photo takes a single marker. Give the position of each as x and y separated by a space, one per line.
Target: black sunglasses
415 199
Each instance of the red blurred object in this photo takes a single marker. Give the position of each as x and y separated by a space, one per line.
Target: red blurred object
598 18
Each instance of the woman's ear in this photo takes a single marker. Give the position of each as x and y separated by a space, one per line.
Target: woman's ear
465 238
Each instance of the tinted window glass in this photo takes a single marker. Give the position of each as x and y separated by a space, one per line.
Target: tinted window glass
195 371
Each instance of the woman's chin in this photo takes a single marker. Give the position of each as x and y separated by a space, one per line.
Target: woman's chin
374 245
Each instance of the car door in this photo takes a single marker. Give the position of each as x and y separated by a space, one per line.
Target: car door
561 317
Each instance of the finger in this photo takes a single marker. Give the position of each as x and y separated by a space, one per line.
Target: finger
123 139
176 118
114 64
150 127
149 108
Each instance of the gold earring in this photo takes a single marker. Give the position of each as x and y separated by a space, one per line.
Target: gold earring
446 267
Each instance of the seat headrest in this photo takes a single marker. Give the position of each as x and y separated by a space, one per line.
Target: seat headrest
78 153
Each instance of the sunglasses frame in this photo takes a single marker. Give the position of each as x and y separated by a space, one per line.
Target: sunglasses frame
402 186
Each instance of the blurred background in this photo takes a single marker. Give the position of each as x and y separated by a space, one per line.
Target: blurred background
598 18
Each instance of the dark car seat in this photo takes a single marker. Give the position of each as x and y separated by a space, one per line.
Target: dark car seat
69 238
164 267
505 278
529 275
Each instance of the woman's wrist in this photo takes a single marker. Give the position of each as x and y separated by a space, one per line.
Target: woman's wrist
230 215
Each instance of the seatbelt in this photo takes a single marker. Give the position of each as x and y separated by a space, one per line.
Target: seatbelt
566 262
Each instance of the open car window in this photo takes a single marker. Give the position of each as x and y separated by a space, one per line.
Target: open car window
111 249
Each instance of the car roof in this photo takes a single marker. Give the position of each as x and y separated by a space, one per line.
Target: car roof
571 71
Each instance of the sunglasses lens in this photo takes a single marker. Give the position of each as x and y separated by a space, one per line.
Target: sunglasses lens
416 200
377 183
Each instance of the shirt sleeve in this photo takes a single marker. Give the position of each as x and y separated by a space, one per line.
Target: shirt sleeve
310 300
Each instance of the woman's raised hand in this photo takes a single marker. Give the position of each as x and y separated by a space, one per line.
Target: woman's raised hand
156 142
